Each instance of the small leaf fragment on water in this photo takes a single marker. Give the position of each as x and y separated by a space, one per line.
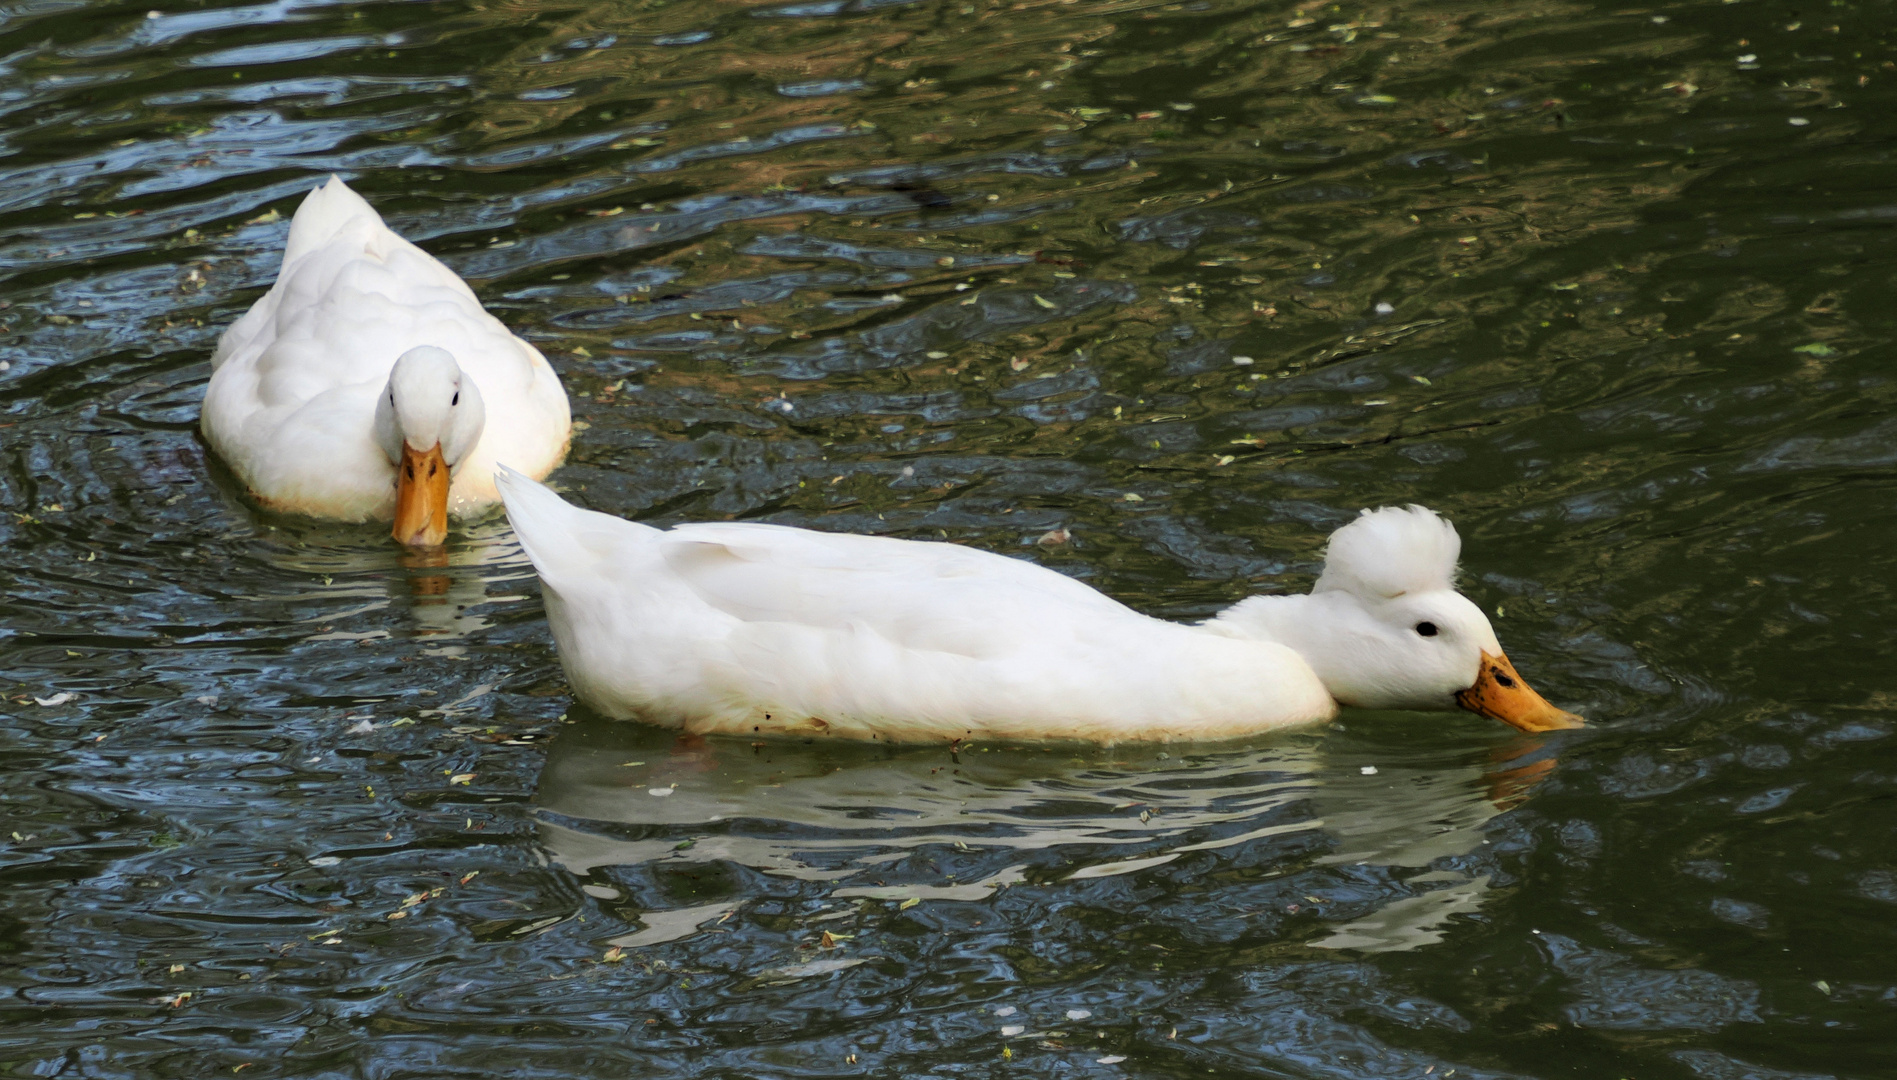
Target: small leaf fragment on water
470 876
630 764
362 727
325 860
1110 1059
268 217
1130 497
176 968
1079 1014
1010 1030
909 903
830 940
1044 301
661 792
60 698
1823 986
1816 348
461 778
1376 99
1368 770
614 955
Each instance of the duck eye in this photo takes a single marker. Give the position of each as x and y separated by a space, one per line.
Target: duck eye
1427 629
456 400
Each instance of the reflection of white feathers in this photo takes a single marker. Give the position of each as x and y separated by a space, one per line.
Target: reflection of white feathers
836 813
296 380
1391 551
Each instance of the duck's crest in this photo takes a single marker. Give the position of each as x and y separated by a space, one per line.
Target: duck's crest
1391 551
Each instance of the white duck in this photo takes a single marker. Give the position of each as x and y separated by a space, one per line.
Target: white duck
368 383
751 628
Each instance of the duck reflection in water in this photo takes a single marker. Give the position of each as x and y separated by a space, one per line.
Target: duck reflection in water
423 585
884 823
371 589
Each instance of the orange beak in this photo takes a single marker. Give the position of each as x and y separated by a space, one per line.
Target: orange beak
421 497
1501 694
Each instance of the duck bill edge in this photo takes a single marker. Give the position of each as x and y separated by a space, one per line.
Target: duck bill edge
1500 693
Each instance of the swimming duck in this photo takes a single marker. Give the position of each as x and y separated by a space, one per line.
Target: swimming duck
368 383
745 628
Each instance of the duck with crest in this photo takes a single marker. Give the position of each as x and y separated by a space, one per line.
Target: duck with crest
369 383
747 628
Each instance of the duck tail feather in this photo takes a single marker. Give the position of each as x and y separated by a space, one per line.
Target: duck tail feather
323 213
559 538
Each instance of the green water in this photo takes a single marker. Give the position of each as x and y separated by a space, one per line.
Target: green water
1608 285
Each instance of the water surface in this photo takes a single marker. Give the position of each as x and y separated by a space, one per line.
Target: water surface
1156 294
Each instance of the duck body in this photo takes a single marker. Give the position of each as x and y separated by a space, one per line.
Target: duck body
752 629
300 400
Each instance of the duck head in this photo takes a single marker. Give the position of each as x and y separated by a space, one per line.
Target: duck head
1385 628
428 419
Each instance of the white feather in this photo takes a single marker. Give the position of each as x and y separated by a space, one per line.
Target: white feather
295 381
1391 551
747 628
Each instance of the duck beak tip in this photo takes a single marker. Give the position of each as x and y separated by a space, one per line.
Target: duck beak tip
1500 693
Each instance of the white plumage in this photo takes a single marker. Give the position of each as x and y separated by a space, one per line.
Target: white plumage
292 403
766 629
1391 551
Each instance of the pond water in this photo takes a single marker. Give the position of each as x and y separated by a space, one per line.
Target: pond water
1188 283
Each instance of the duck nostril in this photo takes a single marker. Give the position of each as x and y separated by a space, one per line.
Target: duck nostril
1504 679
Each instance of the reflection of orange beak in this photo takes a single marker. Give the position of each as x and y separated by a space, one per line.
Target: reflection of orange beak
421 497
1500 694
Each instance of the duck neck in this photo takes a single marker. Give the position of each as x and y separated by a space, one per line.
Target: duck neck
1318 627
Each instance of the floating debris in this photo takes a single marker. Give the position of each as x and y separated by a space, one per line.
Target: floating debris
810 968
